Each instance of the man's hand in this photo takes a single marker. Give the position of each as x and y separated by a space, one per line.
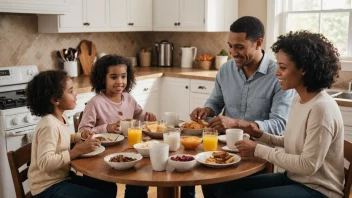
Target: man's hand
251 128
246 148
201 113
221 123
149 117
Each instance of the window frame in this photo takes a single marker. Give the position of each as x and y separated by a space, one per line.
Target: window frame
276 25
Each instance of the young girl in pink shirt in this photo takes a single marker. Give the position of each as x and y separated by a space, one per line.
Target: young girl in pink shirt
112 78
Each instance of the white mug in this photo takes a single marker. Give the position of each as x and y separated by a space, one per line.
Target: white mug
172 118
172 138
159 155
234 135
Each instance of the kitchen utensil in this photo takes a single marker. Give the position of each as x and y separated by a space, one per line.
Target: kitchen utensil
62 55
87 55
188 56
58 55
164 51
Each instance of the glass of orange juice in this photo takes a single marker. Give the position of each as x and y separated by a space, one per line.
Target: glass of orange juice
210 139
134 134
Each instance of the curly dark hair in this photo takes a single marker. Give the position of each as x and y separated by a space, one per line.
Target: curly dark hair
100 69
252 26
315 54
44 87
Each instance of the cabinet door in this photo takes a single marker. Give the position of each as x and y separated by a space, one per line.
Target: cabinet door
175 97
149 102
75 18
140 14
97 13
197 100
165 14
119 14
192 14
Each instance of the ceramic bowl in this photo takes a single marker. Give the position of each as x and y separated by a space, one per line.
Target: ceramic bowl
182 166
123 165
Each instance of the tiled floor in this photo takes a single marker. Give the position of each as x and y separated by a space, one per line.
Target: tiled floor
152 192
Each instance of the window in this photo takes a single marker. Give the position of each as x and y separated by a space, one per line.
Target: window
332 18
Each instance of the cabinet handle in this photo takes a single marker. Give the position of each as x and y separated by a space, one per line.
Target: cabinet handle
129 23
85 23
175 24
201 87
178 23
132 24
88 24
145 89
186 87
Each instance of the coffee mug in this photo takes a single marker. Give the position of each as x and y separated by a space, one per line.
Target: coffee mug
172 118
125 125
233 136
159 155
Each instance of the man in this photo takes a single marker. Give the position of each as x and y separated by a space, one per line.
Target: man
247 86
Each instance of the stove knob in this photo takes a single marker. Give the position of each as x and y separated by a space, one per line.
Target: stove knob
28 118
15 121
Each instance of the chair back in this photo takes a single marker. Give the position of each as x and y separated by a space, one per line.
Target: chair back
16 160
348 171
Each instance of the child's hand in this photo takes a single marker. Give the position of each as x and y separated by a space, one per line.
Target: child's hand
86 133
113 128
87 146
149 117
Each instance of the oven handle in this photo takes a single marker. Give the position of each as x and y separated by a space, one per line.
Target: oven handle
20 133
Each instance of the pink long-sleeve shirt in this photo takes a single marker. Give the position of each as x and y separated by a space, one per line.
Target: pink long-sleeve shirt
101 111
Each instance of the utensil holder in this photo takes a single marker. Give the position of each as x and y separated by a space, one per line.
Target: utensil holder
145 58
71 67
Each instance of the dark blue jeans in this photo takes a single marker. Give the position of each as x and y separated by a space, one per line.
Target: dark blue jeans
78 186
142 191
264 186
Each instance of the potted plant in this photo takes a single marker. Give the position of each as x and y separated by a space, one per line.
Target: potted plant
221 58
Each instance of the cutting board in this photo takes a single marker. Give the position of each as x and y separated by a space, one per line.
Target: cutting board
87 55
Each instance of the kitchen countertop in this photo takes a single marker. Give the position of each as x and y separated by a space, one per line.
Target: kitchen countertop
82 84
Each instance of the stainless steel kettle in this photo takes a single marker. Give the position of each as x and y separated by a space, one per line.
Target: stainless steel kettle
164 51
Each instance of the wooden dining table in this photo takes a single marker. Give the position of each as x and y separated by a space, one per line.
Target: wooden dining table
167 182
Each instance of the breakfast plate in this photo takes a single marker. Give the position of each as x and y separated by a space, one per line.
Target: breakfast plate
108 139
205 157
94 153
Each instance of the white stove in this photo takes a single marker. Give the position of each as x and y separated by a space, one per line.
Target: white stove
16 122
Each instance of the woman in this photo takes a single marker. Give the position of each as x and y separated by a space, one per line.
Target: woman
313 141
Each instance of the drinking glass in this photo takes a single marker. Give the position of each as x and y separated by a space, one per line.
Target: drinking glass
210 139
134 135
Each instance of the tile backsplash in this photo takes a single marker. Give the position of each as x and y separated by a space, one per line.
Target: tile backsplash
21 44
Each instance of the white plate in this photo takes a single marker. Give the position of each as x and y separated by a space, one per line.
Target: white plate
225 148
201 157
94 153
112 136
222 138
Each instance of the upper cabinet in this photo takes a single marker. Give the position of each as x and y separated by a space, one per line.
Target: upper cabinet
194 15
84 16
141 15
34 6
131 15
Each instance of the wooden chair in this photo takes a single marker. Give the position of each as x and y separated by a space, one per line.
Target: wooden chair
16 160
348 171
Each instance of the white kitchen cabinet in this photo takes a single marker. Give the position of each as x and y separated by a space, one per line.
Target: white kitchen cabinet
146 93
175 96
347 121
197 100
194 15
131 15
34 6
200 92
83 16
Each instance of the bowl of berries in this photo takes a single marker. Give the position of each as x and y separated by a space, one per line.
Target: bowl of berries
182 162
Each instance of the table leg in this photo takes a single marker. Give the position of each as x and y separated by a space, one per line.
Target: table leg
269 167
168 192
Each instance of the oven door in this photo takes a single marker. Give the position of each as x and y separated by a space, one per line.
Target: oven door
15 139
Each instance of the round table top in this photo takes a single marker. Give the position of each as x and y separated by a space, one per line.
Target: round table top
143 175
